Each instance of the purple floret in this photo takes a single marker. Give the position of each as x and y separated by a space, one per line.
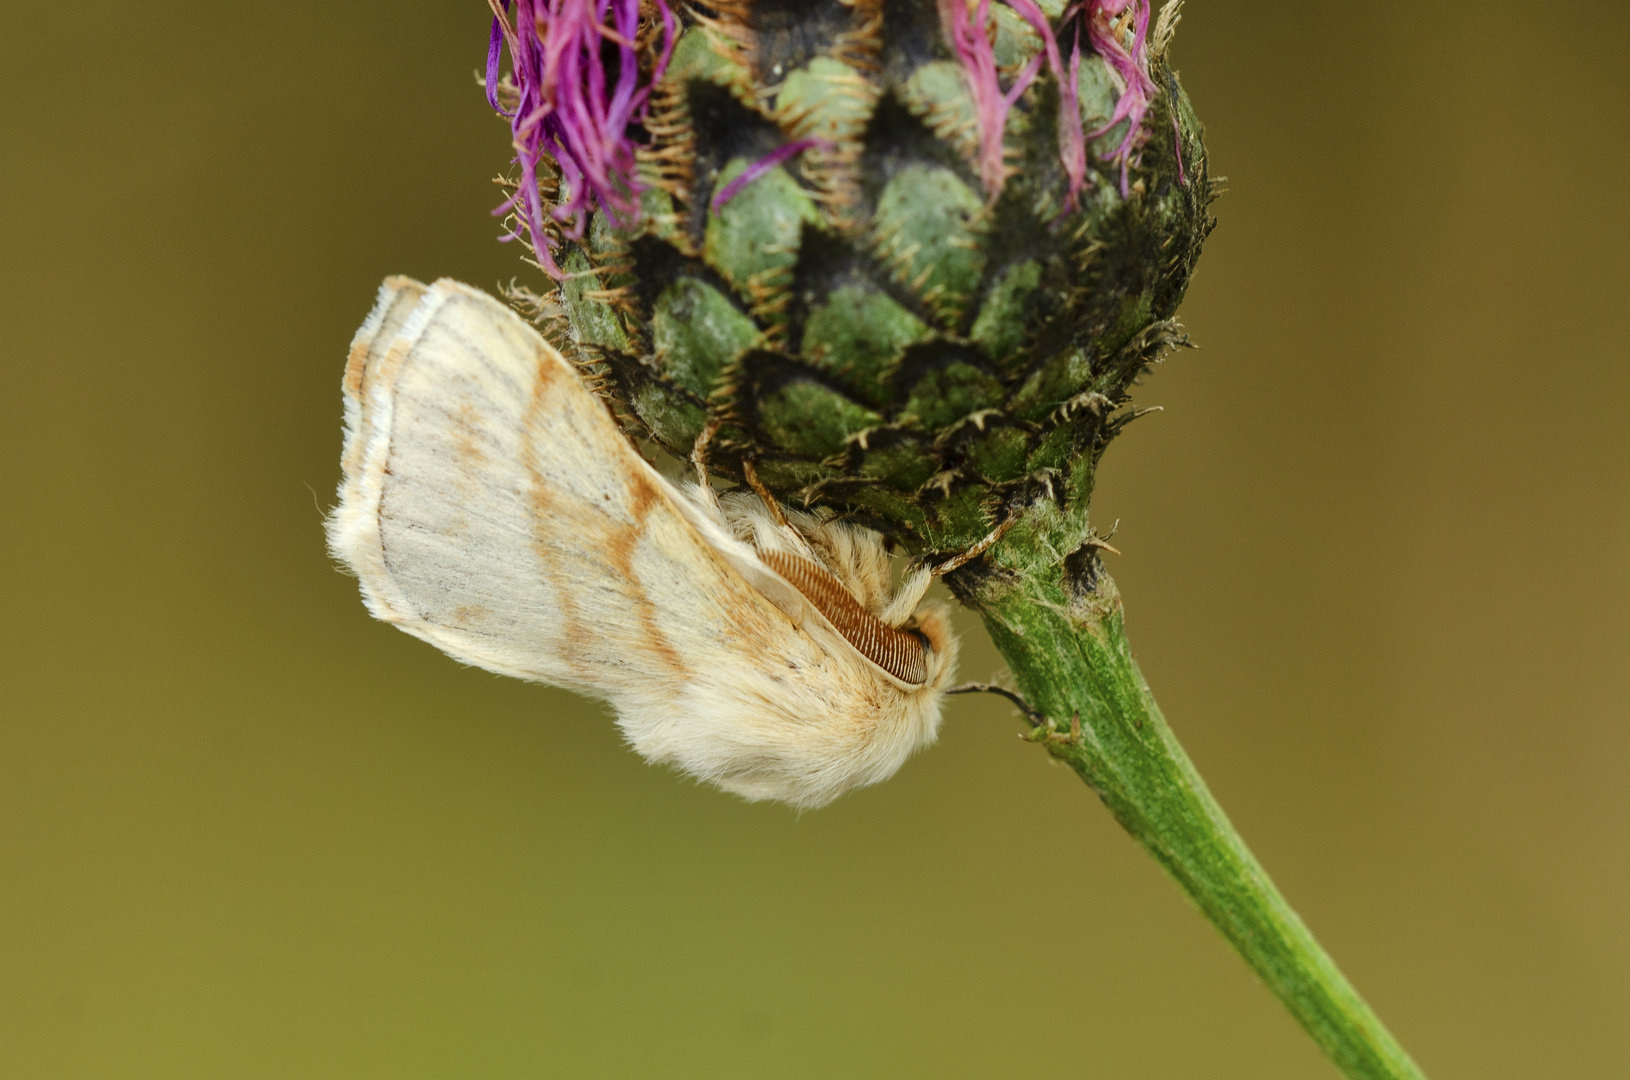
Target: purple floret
763 165
1130 66
578 89
969 36
570 107
1072 147
967 27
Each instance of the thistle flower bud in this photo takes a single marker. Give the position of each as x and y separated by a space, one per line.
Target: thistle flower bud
898 257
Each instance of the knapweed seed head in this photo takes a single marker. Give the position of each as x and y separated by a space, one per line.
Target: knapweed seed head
899 257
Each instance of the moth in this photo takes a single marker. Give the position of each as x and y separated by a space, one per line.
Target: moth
491 506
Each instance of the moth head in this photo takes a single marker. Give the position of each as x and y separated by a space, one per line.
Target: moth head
932 621
843 575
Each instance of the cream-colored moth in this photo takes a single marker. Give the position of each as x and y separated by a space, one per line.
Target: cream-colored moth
491 506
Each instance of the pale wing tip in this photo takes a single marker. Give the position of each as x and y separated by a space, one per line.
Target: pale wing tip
385 299
451 288
351 528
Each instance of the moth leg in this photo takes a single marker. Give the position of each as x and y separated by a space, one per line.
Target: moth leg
906 598
956 562
698 460
750 474
1030 712
789 534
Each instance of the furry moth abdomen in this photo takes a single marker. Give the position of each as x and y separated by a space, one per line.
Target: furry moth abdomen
491 507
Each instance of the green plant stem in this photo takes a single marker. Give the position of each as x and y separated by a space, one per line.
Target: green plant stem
1058 624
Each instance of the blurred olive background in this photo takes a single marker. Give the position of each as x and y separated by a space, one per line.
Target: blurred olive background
1377 567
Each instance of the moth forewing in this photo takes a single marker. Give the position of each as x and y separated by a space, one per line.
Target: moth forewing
491 506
